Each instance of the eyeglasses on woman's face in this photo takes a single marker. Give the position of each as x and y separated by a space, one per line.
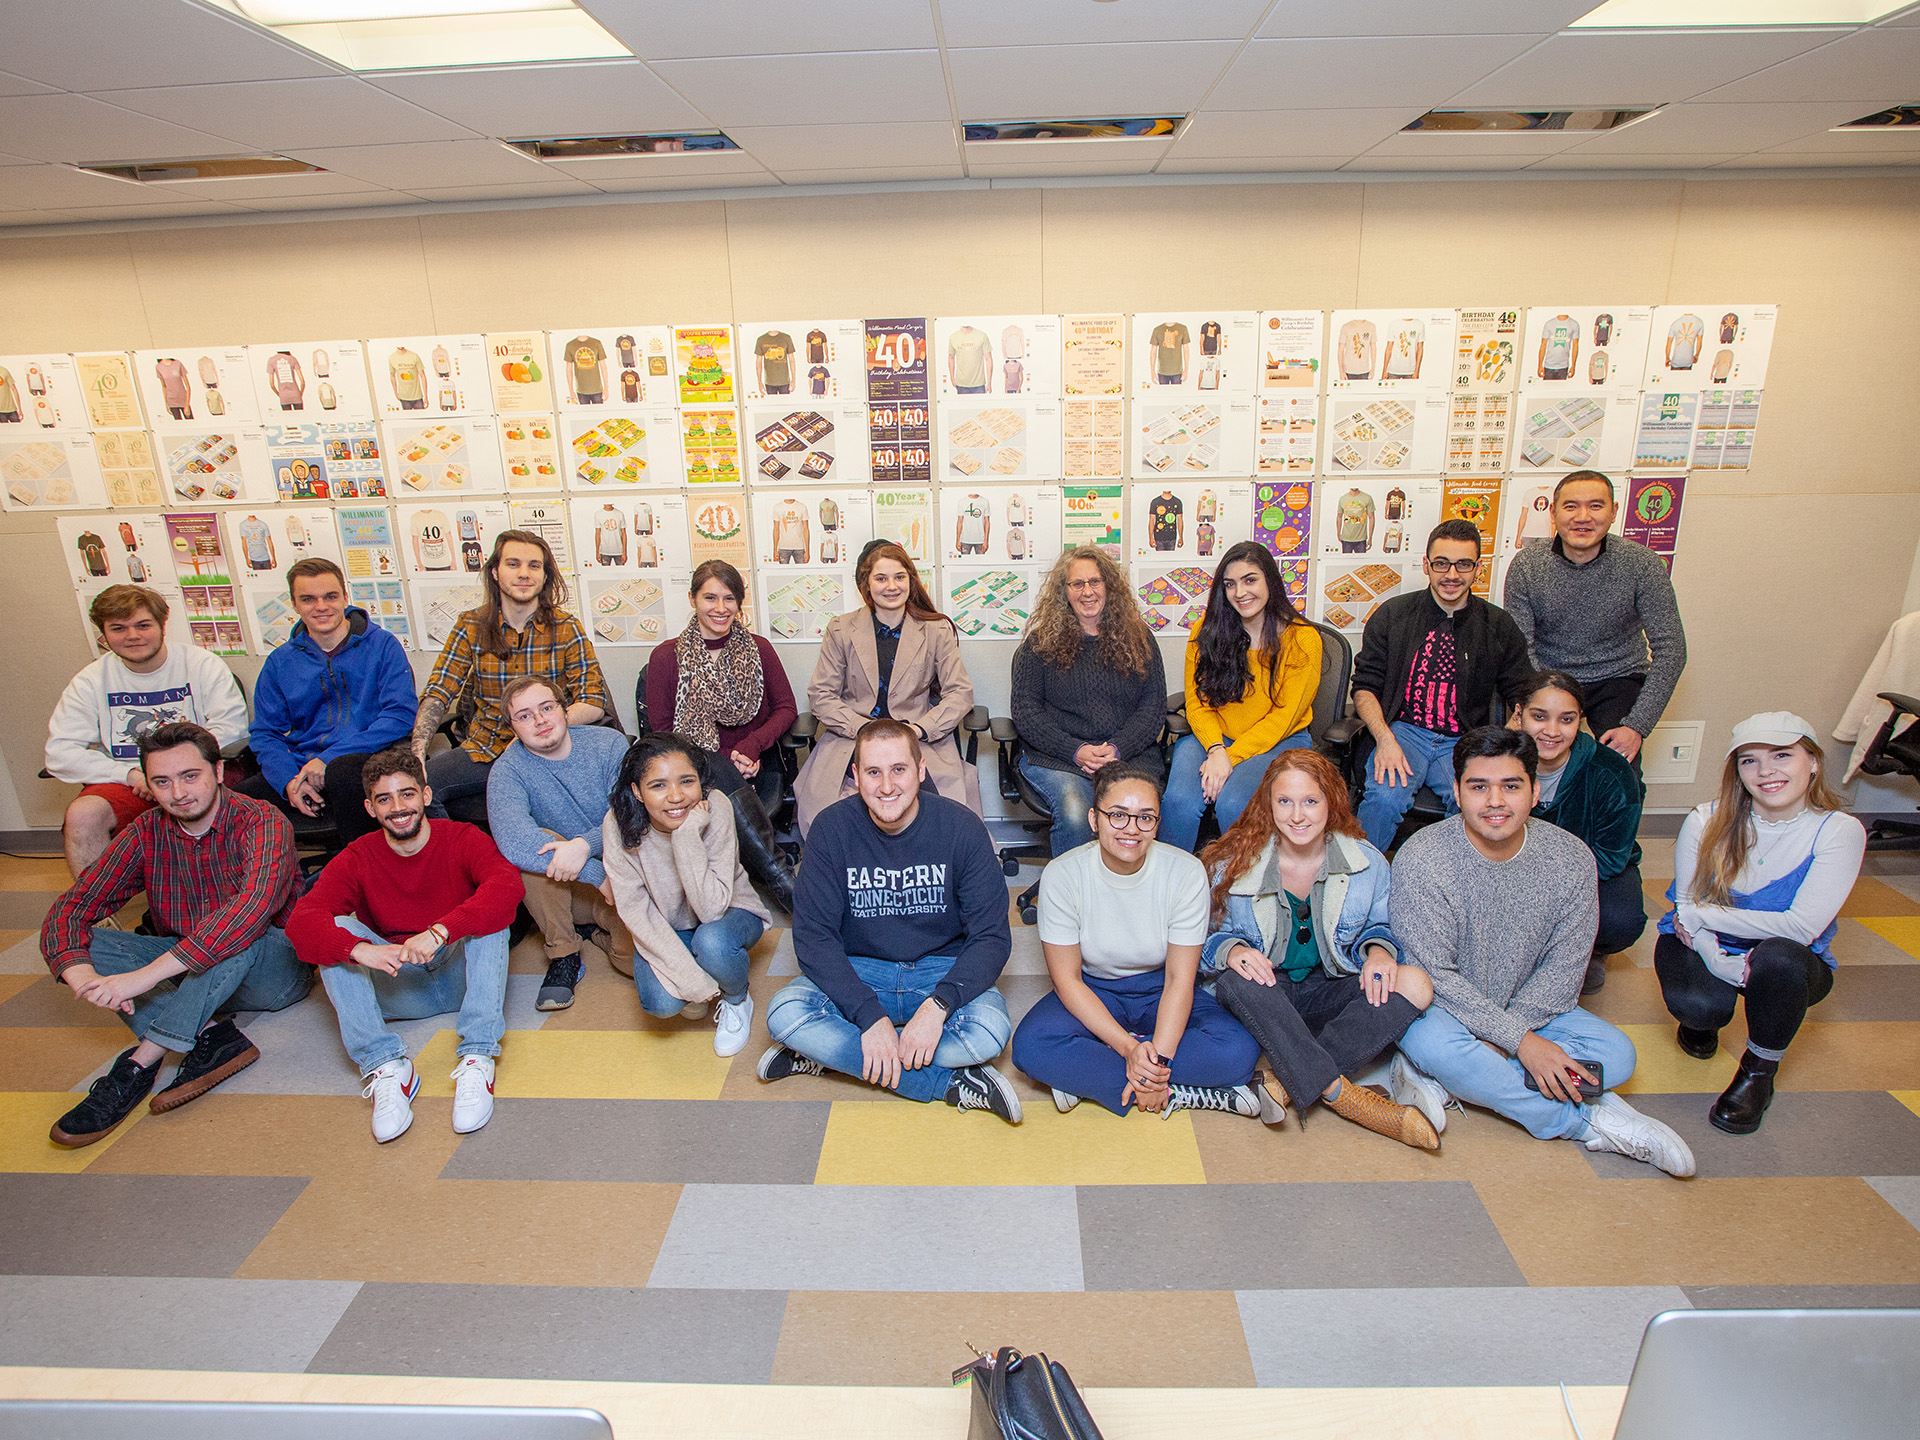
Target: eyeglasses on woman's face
1132 819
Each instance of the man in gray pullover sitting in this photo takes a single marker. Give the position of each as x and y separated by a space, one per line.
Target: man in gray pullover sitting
1601 608
1500 911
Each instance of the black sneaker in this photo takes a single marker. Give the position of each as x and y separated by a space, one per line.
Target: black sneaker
219 1051
779 1062
556 991
110 1100
981 1087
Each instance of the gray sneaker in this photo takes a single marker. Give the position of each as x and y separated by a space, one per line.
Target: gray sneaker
1408 1085
1062 1101
1620 1128
1235 1100
779 1062
981 1087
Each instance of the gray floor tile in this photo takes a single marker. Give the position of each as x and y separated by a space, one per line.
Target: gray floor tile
1022 993
23 957
882 1237
1027 958
202 1225
540 1332
1584 1335
51 1002
1803 1297
1854 944
25 909
1883 863
1907 885
116 1323
784 961
1900 1191
1864 992
654 1141
1286 1237
1807 1133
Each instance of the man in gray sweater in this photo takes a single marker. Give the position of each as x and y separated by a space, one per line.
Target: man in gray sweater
1500 911
1601 608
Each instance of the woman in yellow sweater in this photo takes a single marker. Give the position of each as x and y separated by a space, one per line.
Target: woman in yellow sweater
1253 665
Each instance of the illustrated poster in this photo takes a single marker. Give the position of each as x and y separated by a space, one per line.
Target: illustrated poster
1198 352
322 380
1664 439
372 562
1653 513
1283 517
53 471
813 443
1189 520
454 456
621 449
208 584
1585 349
438 374
1476 500
1479 429
517 366
1390 351
108 391
548 520
1091 515
703 364
529 451
1697 346
618 365
997 355
1204 435
906 518
1391 435
1093 444
899 418
999 440
1486 348
803 361
326 460
1292 343
1093 351
40 392
710 446
1016 523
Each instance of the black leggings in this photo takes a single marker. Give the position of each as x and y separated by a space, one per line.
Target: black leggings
1784 980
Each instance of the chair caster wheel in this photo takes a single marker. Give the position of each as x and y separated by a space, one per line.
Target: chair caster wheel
1029 915
1009 866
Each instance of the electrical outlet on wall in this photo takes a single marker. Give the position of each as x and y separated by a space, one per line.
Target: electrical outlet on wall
1671 754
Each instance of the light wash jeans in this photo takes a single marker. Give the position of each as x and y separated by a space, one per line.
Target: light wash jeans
803 1018
1069 796
719 947
1430 757
264 976
1185 802
1452 1054
468 975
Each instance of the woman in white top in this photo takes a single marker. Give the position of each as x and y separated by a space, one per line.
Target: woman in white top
1121 921
1759 877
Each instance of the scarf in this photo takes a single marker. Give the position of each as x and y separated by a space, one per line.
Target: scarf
716 687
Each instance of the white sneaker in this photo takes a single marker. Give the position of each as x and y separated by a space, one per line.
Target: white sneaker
733 1020
1062 1101
1407 1085
472 1093
694 1010
392 1088
1618 1127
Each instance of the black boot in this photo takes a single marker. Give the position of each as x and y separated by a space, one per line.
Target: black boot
1741 1108
1700 1044
765 861
1596 974
110 1100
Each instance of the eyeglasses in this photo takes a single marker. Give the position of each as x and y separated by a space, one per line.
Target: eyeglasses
1081 586
1459 567
1132 819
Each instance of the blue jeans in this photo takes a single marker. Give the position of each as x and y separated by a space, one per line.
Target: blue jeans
1069 795
969 389
264 976
1053 1047
804 1019
719 947
1185 802
1452 1054
1430 757
469 975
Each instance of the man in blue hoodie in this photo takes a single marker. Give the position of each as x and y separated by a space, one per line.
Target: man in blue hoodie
338 691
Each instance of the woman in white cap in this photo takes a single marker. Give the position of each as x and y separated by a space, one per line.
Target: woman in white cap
1759 877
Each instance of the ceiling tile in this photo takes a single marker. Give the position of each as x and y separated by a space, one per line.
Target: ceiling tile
673 29
1588 160
11 218
818 147
688 182
1908 17
1228 133
1263 165
112 45
1872 68
541 191
1412 165
858 87
988 169
1653 67
1492 146
174 210
281 114
1323 74
442 163
620 97
1420 17
1736 129
646 167
382 199
1052 82
23 186
1021 22
272 187
20 85
860 175
1781 160
76 128
1095 154
1904 140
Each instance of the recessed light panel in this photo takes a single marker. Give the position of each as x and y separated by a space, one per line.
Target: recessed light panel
1900 117
1156 127
239 167
433 34
1496 122
1714 14
622 147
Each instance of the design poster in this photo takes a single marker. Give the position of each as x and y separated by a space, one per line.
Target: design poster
710 443
634 566
1090 515
324 379
207 582
1385 517
620 450
1201 352
438 374
898 416
990 604
1212 435
1283 517
1664 439
1173 598
1190 520
1475 500
330 460
1576 432
107 389
548 520
703 364
1486 349
440 601
1528 516
528 453
906 518
1393 435
717 530
1653 513
1000 440
1697 346
41 392
1291 344
803 361
56 472
630 365
105 550
1724 429
1013 523
1093 439
448 538
216 466
1288 437
1349 592
212 385
1093 351
372 563
518 372
1585 349
455 456
1479 425
126 465
997 355
807 543
263 544
1389 351
811 444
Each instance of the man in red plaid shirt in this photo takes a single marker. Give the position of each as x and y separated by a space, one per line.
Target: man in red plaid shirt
221 877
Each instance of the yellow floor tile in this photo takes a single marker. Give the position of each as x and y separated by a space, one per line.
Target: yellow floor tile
902 1143
47 874
590 1065
1663 1068
1901 930
1875 897
12 985
53 1057
1849 1055
25 1118
1908 1098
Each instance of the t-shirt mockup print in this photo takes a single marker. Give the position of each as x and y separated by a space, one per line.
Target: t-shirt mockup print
1207 507
1602 329
829 514
973 521
816 347
1356 349
173 381
630 386
1729 327
431 532
407 375
1685 335
1163 521
775 349
283 373
790 527
1396 503
643 519
1355 512
612 533
9 394
817 378
1210 338
1168 338
624 344
1403 350
584 355
1722 366
257 541
970 353
1560 336
93 551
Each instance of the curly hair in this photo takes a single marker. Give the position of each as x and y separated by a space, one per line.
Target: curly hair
1230 857
1053 633
1224 670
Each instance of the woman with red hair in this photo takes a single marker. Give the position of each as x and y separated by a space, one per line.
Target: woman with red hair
1305 959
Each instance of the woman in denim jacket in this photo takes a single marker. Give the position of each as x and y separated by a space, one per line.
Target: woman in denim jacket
1302 950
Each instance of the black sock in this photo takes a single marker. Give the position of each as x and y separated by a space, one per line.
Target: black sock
1758 1066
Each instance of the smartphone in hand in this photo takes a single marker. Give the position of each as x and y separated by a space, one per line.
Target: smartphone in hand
1590 1090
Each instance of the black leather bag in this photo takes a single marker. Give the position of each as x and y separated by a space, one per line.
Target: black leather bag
1024 1397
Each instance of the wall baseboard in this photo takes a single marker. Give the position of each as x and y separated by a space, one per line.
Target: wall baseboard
31 842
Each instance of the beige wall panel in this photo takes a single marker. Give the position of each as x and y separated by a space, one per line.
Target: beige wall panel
71 292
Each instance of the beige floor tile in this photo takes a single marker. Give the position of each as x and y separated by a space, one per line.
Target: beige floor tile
316 1135
48 1059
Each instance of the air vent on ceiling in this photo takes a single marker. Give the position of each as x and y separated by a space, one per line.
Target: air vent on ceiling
613 147
1898 117
1468 122
1147 127
238 167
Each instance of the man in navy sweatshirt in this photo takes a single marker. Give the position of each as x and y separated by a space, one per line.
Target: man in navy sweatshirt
900 926
339 690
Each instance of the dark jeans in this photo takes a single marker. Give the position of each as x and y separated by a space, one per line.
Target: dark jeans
1608 702
459 783
1623 912
1314 1031
346 799
728 780
1784 981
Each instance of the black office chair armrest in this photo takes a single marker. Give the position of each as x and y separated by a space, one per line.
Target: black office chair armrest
1177 724
1341 732
977 719
1002 729
1902 704
804 728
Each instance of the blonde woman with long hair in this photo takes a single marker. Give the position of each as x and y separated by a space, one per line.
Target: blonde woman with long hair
1759 877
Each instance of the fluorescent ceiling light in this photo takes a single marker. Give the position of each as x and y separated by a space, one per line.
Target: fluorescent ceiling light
1514 122
624 147
1713 14
1150 127
1900 117
238 167
433 34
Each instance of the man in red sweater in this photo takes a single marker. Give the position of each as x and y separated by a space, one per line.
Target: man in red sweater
409 922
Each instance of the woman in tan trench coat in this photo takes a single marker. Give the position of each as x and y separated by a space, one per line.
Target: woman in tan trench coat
924 684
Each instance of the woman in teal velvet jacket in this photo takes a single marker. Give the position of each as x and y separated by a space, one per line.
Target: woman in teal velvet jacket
1589 791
